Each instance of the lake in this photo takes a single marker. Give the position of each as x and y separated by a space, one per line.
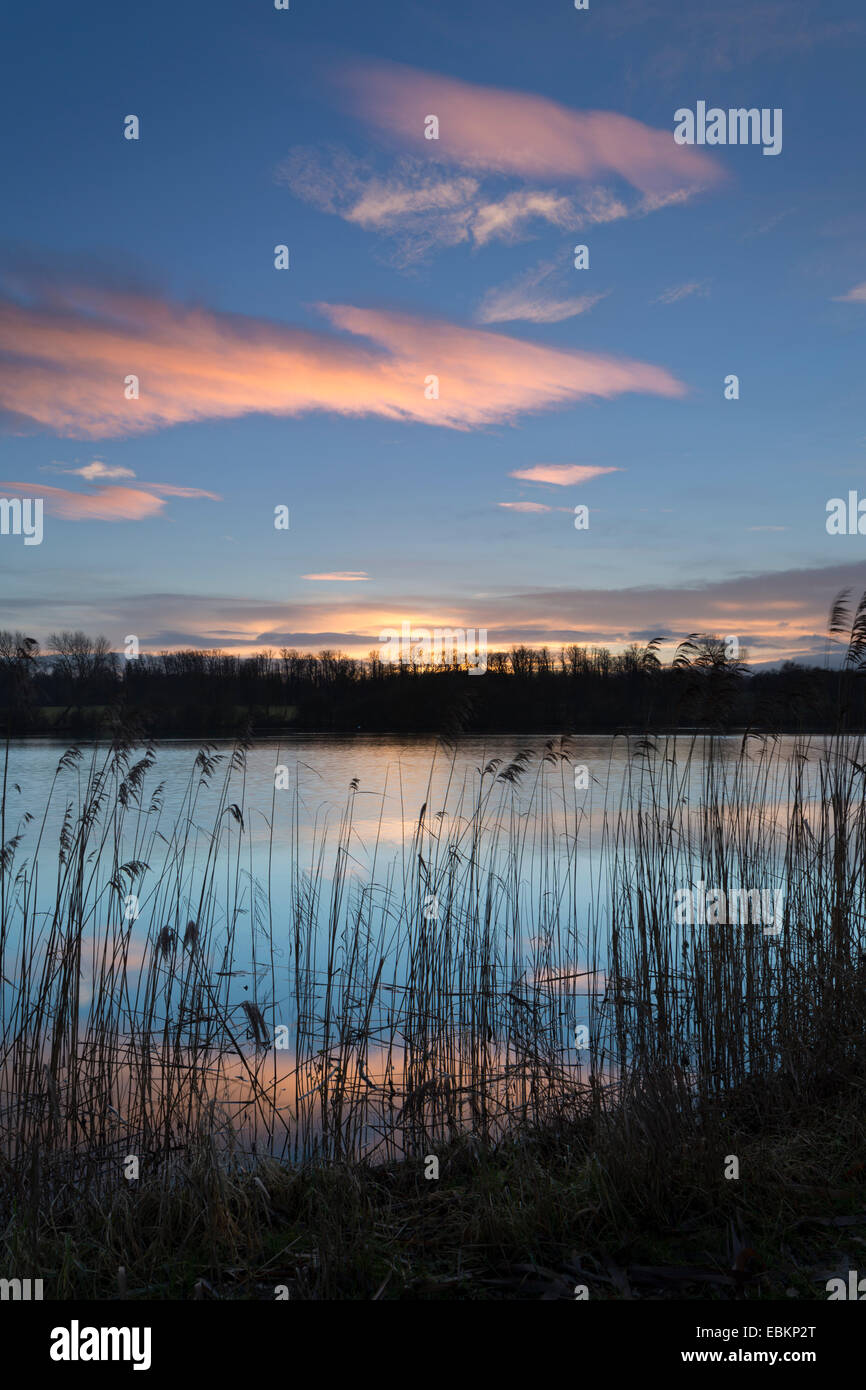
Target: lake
355 944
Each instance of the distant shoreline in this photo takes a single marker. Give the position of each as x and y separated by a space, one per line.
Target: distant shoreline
268 734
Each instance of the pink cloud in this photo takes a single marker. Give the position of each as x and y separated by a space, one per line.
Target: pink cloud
562 474
521 133
525 506
105 503
67 361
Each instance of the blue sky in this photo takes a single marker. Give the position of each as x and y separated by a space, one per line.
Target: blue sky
261 127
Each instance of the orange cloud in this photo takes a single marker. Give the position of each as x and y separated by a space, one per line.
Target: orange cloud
106 503
485 377
562 474
67 361
520 133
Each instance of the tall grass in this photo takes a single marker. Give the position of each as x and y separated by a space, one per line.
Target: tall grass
723 1007
428 1001
411 998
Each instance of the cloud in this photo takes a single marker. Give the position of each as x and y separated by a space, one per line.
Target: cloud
857 295
383 203
507 306
106 503
340 576
767 225
518 133
486 377
561 474
171 490
424 210
526 506
66 364
506 219
420 210
777 615
433 197
92 471
532 299
677 292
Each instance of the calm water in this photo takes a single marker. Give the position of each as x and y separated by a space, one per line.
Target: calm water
540 831
314 866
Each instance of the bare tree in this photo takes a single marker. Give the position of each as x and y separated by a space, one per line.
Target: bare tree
81 663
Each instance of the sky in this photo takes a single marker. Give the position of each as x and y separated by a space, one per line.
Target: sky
432 386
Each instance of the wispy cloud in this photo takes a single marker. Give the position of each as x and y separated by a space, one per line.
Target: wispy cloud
419 210
561 474
508 218
423 211
340 576
677 292
66 365
171 490
91 471
533 298
767 224
526 506
857 295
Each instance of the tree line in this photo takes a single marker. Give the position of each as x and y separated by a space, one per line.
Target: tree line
78 684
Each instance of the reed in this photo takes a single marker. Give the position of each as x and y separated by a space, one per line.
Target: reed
428 1003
